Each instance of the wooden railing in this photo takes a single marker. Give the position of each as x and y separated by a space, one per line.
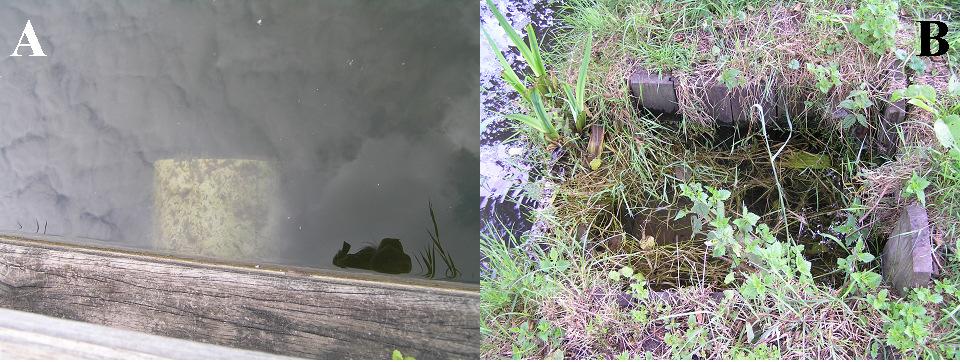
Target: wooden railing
289 311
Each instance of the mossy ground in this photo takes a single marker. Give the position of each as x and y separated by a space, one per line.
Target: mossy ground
551 294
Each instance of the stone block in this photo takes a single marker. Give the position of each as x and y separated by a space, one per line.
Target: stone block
907 260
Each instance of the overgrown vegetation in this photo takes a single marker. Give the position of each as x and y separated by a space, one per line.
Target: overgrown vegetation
696 240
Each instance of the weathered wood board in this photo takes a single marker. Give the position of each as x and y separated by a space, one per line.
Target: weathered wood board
33 336
288 311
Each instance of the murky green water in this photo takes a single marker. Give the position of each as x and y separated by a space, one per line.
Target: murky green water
361 113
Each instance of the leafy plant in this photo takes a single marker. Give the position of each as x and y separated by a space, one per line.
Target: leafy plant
512 278
915 187
542 122
524 342
548 333
912 61
397 356
946 124
827 77
638 284
906 321
688 344
428 261
920 95
575 98
759 352
875 24
529 51
730 78
857 103
743 239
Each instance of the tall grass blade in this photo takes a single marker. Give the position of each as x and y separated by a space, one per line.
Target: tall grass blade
529 121
571 100
539 70
550 130
511 33
452 270
509 75
429 265
581 118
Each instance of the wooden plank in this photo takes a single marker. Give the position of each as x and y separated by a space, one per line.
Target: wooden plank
290 311
33 336
717 102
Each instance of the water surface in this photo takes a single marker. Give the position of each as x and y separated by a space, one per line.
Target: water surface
364 108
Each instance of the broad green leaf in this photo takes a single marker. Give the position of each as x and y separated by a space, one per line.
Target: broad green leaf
923 105
719 251
925 91
842 264
897 95
613 275
848 122
953 123
723 195
803 266
953 86
750 217
942 131
870 280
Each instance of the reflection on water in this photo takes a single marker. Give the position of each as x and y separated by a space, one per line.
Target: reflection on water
387 258
362 109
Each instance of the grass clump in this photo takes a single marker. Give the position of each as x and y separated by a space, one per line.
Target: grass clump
428 256
544 92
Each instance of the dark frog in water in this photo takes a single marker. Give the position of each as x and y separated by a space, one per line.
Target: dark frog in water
387 258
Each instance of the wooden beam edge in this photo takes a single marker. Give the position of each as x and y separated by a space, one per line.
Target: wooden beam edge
96 247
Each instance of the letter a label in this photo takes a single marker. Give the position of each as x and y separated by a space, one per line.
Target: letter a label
32 42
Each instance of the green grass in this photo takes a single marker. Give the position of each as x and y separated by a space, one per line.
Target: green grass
428 256
785 220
